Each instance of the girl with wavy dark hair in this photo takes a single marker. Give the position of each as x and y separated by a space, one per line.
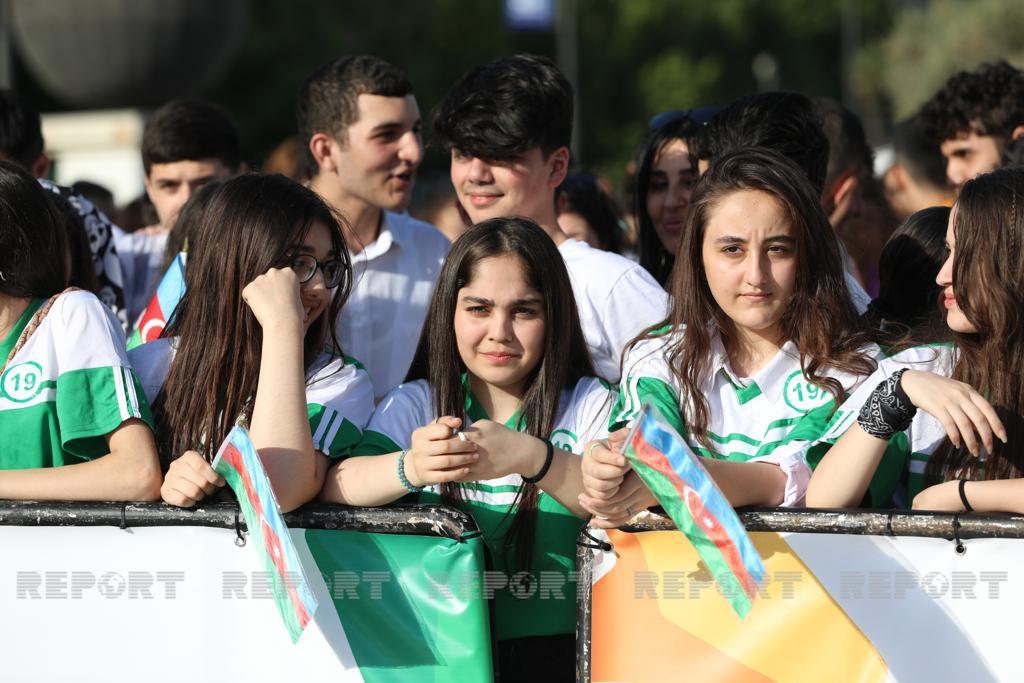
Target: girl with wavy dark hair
762 354
252 342
968 433
499 403
665 177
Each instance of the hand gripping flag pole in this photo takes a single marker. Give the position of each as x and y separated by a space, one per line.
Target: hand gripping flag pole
675 476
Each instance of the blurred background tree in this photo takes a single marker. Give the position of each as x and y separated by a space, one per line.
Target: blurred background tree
635 57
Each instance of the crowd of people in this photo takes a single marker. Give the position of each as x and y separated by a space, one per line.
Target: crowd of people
372 359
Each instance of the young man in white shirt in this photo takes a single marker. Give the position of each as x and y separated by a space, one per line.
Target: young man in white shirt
360 130
508 125
185 145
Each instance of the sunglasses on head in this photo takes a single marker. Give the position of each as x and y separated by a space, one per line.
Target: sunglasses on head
700 116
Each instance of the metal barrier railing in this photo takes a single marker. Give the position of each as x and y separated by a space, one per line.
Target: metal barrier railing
432 520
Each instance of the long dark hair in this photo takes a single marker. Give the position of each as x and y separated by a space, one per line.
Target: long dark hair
566 358
33 239
908 295
249 225
654 258
988 278
820 317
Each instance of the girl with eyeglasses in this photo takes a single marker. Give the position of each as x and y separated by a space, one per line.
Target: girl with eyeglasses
252 342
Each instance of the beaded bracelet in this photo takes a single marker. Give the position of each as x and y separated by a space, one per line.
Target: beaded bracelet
401 475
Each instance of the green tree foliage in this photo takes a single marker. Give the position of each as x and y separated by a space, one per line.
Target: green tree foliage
929 44
636 57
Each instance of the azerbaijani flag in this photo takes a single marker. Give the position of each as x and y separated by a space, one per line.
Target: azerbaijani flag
240 465
161 306
672 472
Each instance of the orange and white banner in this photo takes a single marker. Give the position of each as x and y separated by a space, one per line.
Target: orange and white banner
835 607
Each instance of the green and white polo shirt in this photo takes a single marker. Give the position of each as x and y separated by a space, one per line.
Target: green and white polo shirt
776 416
525 609
339 395
68 387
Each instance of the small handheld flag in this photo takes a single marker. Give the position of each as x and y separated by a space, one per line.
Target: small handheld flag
240 465
168 293
673 473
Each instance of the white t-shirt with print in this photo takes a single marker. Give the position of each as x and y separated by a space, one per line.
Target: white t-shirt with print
68 387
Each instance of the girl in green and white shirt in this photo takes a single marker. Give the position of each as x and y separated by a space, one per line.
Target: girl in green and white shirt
761 358
74 424
499 405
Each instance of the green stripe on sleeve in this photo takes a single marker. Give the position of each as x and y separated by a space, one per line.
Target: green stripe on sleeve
634 393
333 434
375 443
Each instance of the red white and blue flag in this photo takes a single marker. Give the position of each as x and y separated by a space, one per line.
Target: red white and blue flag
240 465
673 473
168 294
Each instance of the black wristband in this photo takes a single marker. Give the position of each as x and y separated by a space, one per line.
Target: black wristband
963 496
887 410
545 467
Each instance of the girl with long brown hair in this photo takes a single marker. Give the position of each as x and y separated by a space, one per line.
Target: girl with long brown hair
969 427
500 402
761 356
252 342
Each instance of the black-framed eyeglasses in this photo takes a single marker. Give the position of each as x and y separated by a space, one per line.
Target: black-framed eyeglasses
305 267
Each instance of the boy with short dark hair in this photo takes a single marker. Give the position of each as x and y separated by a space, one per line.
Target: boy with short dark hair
185 144
359 127
508 125
974 117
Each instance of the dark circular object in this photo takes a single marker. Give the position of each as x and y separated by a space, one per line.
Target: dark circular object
127 53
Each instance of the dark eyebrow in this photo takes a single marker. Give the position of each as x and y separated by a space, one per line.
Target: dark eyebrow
387 126
303 249
534 301
730 239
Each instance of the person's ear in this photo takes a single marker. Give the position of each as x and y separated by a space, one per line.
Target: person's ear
322 146
41 166
1017 133
844 199
558 163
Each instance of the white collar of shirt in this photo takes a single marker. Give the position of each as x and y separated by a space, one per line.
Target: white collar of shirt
391 235
771 379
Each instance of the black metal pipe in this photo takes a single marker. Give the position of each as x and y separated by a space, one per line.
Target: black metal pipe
422 520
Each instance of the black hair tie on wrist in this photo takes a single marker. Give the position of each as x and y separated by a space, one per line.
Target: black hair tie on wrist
547 464
963 496
888 410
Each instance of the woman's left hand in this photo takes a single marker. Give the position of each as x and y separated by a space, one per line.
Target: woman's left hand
503 451
943 497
